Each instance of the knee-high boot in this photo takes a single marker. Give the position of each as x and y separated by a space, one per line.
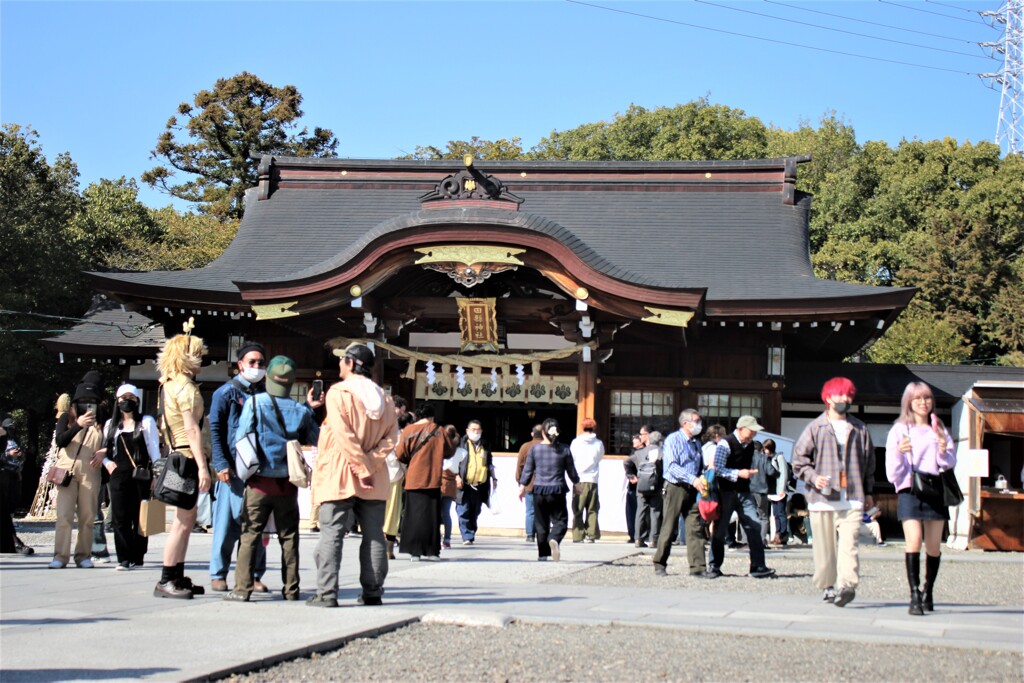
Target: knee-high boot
914 579
931 570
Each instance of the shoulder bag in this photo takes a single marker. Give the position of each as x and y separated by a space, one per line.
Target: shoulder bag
299 472
138 473
247 449
61 476
943 485
178 483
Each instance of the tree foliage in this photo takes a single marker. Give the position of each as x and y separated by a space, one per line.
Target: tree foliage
221 130
505 148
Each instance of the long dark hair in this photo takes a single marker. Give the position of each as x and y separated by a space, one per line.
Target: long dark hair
547 425
117 420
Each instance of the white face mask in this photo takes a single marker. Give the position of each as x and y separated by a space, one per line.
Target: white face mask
474 436
253 375
696 428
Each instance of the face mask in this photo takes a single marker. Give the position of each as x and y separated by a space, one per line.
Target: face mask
253 375
696 428
474 436
126 406
841 408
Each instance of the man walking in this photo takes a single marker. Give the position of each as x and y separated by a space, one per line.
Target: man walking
474 481
587 451
351 477
225 410
733 460
682 466
835 458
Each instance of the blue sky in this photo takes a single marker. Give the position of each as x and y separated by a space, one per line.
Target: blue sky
100 80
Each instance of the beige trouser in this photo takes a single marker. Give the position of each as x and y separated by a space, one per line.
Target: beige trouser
836 563
81 496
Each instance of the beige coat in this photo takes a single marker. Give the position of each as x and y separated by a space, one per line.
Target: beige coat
360 430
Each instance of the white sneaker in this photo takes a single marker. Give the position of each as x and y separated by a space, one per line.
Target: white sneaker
85 564
556 554
56 564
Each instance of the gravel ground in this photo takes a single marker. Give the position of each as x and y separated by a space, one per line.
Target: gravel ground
551 652
964 577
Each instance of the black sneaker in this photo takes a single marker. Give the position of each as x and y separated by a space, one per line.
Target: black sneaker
844 597
369 600
712 574
761 572
829 595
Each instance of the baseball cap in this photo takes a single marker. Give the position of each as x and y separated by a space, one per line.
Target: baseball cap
749 422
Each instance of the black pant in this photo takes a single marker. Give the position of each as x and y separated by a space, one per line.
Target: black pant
550 520
8 500
125 498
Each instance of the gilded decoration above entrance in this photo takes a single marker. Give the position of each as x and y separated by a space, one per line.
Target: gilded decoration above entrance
274 311
470 184
469 264
664 316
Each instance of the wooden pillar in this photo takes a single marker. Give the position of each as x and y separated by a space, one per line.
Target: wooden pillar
587 404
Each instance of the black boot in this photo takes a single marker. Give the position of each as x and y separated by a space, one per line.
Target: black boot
931 570
914 579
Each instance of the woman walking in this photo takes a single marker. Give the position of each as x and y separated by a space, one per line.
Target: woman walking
423 447
78 437
548 464
131 446
182 417
918 441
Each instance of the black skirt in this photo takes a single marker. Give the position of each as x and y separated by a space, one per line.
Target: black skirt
421 523
922 508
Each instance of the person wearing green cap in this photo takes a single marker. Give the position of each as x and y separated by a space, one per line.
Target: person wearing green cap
277 419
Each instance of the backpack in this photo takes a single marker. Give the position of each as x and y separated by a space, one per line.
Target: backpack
648 479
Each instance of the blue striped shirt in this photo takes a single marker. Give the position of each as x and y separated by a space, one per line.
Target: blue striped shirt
683 461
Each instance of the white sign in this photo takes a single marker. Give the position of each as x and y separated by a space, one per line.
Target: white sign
972 462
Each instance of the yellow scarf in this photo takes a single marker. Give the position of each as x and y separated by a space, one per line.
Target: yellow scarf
476 470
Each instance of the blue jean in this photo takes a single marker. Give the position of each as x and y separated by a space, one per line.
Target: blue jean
446 517
529 514
745 508
469 510
631 513
227 530
779 512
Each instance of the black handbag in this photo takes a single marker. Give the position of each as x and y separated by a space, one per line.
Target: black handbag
178 482
951 492
926 485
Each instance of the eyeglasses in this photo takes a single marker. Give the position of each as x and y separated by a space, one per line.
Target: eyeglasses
923 398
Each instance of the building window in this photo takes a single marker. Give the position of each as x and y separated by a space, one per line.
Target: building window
631 409
726 409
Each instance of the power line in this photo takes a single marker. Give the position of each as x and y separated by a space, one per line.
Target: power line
926 11
873 23
838 30
771 40
946 4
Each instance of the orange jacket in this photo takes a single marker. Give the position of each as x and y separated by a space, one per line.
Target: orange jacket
360 430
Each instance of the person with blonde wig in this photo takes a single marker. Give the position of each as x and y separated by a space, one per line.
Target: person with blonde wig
919 441
180 424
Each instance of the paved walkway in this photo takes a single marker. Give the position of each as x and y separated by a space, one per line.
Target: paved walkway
95 624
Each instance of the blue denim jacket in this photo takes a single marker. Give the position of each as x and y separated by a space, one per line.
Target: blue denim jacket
225 410
299 424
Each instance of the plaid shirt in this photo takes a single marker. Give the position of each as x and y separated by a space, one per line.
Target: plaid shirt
817 454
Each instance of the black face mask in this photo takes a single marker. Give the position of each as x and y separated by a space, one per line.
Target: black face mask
842 408
126 406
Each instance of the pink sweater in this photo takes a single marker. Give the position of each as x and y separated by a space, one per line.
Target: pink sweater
924 456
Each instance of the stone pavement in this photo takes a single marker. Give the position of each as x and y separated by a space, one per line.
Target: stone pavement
73 624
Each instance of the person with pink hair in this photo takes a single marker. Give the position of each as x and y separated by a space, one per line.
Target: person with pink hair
918 441
835 458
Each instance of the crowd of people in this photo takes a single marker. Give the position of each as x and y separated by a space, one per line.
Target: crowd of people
394 475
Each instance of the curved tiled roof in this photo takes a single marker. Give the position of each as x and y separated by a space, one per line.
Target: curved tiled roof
735 242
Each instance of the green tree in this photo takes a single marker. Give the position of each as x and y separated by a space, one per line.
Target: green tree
41 274
223 128
504 148
693 131
920 336
111 218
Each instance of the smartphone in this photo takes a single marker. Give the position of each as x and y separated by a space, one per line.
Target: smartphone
90 408
318 389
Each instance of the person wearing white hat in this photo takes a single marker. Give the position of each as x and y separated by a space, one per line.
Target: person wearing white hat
130 448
